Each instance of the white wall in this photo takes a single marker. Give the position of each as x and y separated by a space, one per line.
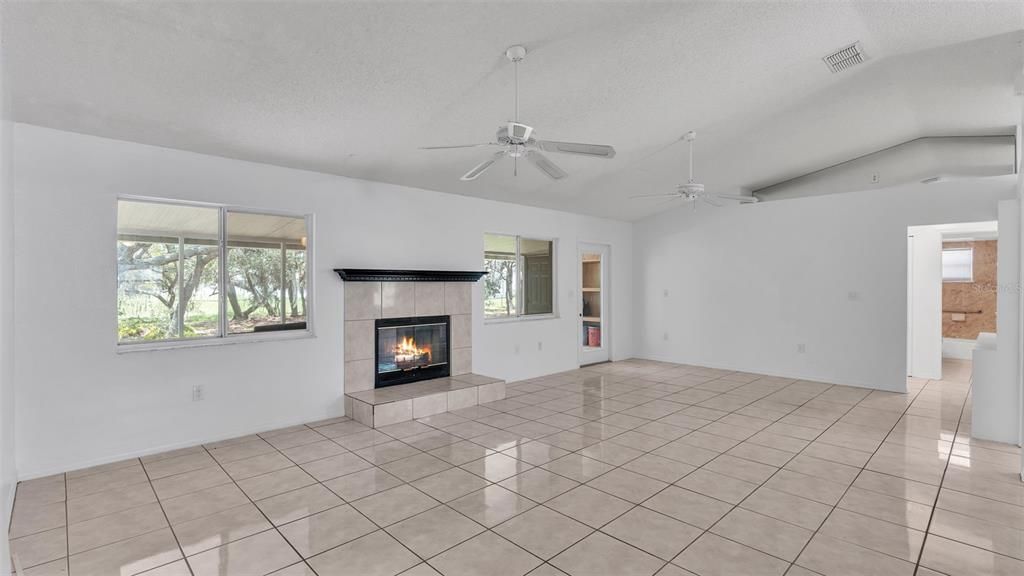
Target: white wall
8 472
748 284
80 403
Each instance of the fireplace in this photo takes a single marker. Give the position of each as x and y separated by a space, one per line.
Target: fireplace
411 349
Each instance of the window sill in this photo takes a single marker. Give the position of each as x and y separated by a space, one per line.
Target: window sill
206 342
515 319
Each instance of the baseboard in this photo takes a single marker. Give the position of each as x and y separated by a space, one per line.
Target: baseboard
40 473
958 348
752 370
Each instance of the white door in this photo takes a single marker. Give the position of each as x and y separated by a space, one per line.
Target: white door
593 334
924 304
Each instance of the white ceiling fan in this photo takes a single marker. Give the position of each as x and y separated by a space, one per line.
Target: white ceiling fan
693 191
516 140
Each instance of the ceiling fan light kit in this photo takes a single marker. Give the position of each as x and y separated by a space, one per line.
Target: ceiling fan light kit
516 140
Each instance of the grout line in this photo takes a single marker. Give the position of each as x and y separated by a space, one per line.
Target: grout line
166 519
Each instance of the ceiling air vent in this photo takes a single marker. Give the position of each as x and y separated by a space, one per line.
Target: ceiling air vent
845 57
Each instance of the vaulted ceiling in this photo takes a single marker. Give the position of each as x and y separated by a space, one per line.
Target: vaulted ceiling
355 88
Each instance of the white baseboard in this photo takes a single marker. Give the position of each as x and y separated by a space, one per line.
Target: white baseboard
958 348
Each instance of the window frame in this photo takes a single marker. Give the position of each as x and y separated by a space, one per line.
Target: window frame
224 337
968 249
520 283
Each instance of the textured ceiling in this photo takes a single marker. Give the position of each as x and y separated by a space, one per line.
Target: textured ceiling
355 88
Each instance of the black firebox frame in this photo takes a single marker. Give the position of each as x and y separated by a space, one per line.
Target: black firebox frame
405 376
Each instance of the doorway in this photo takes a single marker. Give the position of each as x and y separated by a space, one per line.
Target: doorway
594 304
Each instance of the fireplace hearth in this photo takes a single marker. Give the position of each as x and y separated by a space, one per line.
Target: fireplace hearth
411 349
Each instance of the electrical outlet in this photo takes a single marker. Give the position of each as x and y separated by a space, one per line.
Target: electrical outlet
665 337
875 178
801 348
517 348
853 296
197 392
666 293
540 346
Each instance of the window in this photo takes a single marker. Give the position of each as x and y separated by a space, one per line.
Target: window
189 272
520 279
958 265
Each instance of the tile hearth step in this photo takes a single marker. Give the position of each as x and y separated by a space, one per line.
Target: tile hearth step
393 404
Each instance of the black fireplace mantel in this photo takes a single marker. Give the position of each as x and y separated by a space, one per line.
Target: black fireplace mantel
372 275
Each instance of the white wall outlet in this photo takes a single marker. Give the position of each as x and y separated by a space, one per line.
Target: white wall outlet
197 392
516 348
875 178
540 346
665 292
665 337
853 296
801 348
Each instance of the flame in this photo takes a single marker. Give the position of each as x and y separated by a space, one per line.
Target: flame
408 348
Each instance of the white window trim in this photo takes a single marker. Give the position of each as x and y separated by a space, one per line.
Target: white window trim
226 338
518 316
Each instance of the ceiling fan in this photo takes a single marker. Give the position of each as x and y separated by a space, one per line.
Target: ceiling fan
516 140
693 191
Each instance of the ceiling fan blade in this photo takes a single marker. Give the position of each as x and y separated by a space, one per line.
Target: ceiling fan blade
710 200
459 146
669 195
737 197
481 167
546 166
593 150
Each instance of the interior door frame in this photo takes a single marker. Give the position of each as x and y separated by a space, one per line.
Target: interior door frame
606 288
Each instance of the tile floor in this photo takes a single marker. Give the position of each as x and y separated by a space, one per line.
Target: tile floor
632 468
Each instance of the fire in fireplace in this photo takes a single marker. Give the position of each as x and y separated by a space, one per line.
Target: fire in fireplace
411 349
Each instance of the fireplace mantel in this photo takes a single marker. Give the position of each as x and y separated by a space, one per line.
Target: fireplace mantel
373 275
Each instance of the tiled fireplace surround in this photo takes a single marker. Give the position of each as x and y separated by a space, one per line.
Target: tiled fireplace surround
365 302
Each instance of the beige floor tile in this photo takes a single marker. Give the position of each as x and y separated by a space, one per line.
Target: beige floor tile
762 454
627 485
214 530
713 555
888 508
38 493
951 557
39 548
543 531
85 485
111 528
686 453
746 470
806 486
639 440
659 468
363 483
416 467
450 484
315 451
690 507
256 465
577 467
492 505
53 568
295 439
301 569
325 530
833 471
652 532
241 450
592 507
787 507
179 465
485 554
611 453
32 519
203 503
976 532
434 531
290 506
388 452
992 511
390 506
539 485
535 452
260 554
832 557
188 482
376 554
771 536
496 467
127 556
832 453
363 439
601 555
334 466
107 502
274 483
725 488
891 539
898 487
460 452
177 568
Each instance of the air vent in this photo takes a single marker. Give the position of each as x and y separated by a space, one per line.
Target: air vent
846 57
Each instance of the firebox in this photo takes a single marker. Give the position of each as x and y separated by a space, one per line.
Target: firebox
411 349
